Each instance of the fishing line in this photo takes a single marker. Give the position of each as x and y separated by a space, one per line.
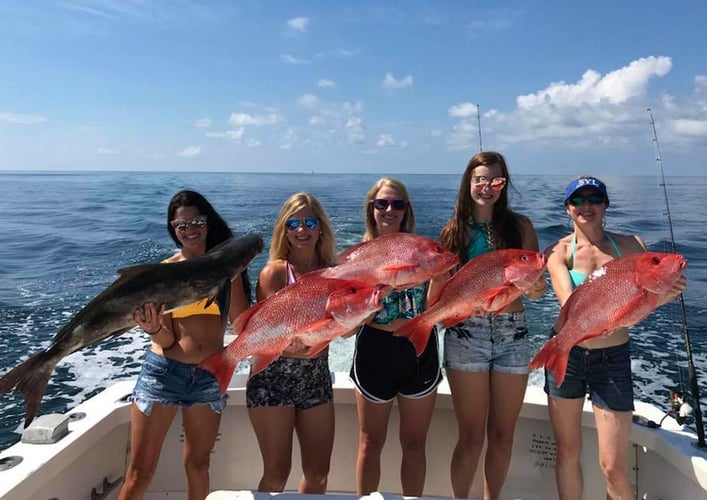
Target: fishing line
692 375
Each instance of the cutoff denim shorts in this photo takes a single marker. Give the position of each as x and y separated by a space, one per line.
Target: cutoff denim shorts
496 342
169 382
604 373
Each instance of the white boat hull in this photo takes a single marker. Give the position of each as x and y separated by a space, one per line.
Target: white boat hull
664 463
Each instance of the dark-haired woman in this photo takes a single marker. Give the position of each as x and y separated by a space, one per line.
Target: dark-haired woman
179 341
486 358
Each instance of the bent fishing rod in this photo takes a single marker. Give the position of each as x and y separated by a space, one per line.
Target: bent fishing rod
692 375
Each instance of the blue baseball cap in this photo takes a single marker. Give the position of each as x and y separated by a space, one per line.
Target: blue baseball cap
586 183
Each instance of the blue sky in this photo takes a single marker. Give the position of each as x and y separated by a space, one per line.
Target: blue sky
362 86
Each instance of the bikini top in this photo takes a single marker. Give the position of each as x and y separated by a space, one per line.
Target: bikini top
290 274
577 277
195 308
481 237
406 303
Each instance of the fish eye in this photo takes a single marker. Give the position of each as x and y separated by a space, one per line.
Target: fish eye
655 261
524 257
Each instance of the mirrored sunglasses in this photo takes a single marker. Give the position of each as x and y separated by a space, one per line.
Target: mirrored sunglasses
181 224
593 199
496 183
308 222
383 204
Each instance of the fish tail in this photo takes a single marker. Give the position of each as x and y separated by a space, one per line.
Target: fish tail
552 357
31 378
417 331
221 366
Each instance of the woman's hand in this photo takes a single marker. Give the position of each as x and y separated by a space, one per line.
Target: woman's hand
538 288
296 347
677 289
149 318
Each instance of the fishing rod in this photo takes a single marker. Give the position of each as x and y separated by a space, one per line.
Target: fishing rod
692 375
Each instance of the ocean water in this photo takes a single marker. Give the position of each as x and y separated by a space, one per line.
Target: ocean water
66 234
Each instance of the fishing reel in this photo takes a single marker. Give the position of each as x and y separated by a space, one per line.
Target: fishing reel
680 409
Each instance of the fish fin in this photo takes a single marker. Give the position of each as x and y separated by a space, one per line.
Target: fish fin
496 298
316 349
221 366
244 317
347 253
31 378
553 357
417 331
261 361
458 318
126 272
399 267
222 299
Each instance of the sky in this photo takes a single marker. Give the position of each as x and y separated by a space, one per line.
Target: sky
352 86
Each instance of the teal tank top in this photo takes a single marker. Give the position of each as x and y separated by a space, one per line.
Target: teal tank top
575 276
482 236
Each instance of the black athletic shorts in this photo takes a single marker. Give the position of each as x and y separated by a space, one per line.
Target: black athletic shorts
385 366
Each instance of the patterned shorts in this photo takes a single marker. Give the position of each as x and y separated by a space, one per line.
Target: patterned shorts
301 383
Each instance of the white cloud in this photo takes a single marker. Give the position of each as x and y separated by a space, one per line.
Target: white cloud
203 123
308 100
290 59
235 135
463 110
391 83
242 119
694 128
106 151
21 119
298 24
355 130
252 143
190 152
324 83
387 141
290 140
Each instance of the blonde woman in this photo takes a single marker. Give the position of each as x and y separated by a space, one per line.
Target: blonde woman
294 393
385 368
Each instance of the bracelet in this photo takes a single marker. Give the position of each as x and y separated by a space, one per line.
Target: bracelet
153 333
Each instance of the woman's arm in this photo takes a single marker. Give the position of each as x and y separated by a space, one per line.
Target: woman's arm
530 242
559 272
239 301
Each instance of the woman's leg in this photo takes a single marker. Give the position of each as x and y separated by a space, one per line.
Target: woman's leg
506 400
273 427
200 430
373 428
613 432
470 395
566 420
147 433
315 432
415 418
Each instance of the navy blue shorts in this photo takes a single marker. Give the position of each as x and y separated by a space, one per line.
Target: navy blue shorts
604 373
385 366
169 382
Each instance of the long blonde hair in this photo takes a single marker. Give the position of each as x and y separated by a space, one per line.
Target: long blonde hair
408 223
326 244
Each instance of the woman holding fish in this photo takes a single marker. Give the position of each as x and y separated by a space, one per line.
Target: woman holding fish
295 391
181 339
486 356
385 367
591 353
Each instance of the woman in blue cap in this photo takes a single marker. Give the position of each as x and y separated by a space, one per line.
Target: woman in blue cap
600 366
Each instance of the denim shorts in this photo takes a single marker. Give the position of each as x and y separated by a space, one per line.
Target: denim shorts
604 373
298 382
169 382
496 342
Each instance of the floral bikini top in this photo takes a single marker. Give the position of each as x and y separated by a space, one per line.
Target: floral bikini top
406 303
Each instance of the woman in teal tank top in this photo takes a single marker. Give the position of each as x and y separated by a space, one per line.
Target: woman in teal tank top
486 358
600 366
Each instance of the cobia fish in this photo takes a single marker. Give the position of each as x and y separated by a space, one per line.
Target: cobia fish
487 283
400 260
111 313
314 309
619 294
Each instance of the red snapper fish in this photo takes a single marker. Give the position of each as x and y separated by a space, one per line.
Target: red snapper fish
400 260
314 309
619 294
485 284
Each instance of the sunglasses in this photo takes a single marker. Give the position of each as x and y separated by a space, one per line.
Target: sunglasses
181 225
495 183
308 222
593 199
383 204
